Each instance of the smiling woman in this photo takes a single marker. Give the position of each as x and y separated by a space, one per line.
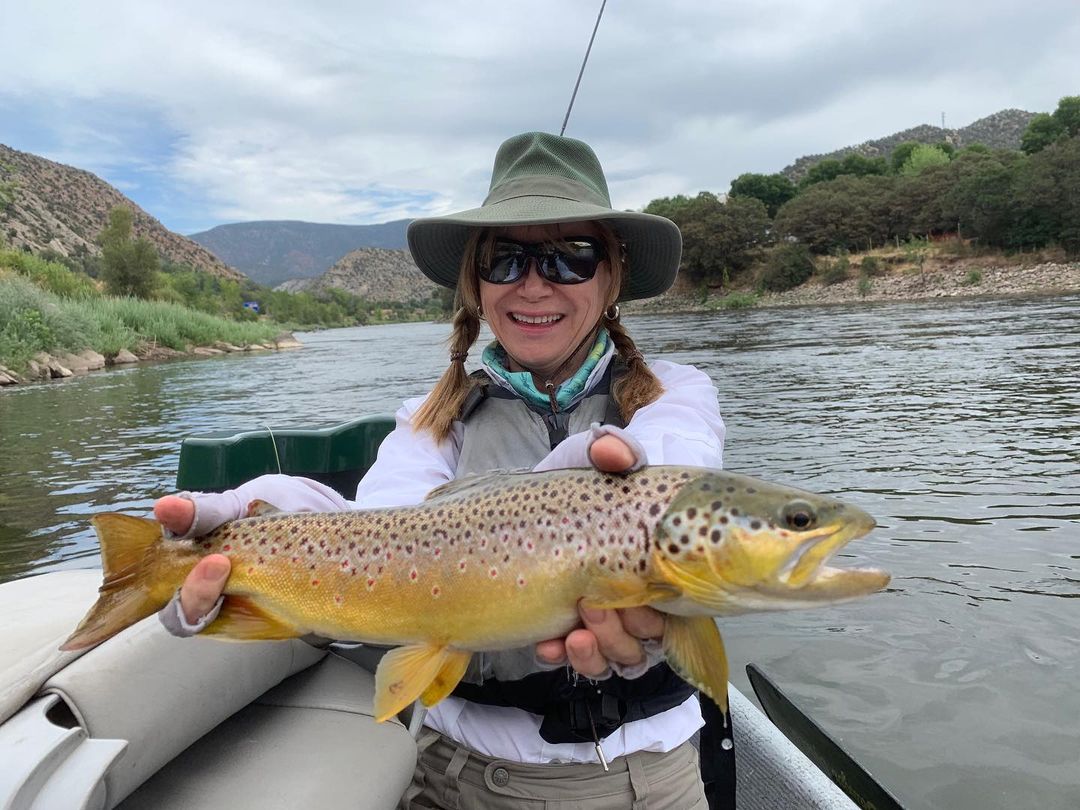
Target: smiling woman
545 260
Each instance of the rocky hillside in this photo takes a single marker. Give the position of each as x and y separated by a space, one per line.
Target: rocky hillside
271 252
46 205
374 274
1002 130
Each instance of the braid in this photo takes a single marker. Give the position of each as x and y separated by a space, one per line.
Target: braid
639 386
443 404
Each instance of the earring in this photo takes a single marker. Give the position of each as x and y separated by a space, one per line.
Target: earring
480 312
612 312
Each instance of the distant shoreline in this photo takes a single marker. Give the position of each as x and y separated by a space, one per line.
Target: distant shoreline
965 280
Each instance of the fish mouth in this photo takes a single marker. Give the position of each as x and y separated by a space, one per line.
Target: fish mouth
805 575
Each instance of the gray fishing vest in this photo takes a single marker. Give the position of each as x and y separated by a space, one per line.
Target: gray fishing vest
503 432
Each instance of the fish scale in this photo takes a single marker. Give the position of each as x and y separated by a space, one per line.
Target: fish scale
501 561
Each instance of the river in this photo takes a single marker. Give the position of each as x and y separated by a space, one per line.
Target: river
955 423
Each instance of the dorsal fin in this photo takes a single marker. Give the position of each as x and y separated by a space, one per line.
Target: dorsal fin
260 508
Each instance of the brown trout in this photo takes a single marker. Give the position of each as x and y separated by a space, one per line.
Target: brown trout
501 561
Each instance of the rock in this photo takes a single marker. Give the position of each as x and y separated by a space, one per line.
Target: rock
206 351
8 377
228 347
73 362
123 357
94 361
286 341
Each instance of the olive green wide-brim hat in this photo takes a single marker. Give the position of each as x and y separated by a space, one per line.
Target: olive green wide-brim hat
539 179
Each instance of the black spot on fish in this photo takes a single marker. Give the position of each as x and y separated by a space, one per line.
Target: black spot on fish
691 513
654 510
716 535
716 506
755 525
684 539
672 548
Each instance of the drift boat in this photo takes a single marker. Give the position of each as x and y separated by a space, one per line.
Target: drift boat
146 720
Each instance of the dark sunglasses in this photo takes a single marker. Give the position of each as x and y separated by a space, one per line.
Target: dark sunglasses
574 261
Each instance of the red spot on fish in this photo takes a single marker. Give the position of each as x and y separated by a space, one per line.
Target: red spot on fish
413 575
251 570
344 563
338 599
314 582
461 565
529 546
435 591
494 572
273 550
226 547
521 581
370 583
438 552
206 545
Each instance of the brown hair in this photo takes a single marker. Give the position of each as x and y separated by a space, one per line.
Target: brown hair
637 388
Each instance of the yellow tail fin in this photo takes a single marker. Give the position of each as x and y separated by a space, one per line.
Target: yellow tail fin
126 594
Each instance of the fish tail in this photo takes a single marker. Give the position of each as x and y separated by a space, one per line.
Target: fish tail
128 593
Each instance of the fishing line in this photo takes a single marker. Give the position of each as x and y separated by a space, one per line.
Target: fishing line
582 71
273 443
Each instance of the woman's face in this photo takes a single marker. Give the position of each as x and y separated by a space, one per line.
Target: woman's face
540 324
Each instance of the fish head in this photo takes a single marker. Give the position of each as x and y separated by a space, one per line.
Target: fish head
732 544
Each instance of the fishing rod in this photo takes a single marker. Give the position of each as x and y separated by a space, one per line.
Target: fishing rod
581 72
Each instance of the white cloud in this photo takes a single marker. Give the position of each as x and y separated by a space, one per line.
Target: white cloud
365 112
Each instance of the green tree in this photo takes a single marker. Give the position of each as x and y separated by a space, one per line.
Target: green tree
923 157
901 154
718 237
772 189
130 266
1047 205
851 213
1042 131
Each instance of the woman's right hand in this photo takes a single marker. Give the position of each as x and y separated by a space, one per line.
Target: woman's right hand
206 581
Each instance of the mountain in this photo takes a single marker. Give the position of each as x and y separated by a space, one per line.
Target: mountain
50 206
272 252
375 274
1002 130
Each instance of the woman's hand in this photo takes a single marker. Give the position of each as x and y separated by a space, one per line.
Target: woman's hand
608 635
206 581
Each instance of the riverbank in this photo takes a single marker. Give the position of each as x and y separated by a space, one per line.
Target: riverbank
962 278
44 366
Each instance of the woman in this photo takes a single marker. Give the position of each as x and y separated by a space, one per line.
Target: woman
545 260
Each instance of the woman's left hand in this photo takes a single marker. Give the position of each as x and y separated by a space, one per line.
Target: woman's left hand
608 635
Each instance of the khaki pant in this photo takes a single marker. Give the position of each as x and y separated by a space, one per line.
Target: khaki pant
451 777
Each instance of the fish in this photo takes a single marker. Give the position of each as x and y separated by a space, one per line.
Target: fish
501 561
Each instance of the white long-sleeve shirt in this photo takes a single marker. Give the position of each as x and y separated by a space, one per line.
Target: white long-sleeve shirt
683 426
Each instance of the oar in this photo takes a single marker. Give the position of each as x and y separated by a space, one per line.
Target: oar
819 747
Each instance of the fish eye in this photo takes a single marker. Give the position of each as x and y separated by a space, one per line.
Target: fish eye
799 515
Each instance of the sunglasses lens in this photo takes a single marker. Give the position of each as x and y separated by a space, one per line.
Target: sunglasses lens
572 263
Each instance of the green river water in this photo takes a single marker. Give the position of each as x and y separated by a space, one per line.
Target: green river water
956 424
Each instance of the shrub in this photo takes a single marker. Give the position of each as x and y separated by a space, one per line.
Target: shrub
870 266
864 286
787 267
837 270
973 278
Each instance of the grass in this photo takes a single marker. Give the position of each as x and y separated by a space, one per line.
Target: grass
735 300
35 320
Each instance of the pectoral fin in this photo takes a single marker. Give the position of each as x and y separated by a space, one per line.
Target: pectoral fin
406 673
695 651
449 677
243 619
612 594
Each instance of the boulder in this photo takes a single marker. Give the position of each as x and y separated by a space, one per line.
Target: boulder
74 363
286 341
94 361
206 351
122 358
8 377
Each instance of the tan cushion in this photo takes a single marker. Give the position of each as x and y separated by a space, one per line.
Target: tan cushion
162 693
310 742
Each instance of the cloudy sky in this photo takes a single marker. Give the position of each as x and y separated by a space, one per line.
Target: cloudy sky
363 112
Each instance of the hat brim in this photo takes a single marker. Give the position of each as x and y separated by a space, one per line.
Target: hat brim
653 244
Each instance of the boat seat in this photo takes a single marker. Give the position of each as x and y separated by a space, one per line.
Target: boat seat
309 742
